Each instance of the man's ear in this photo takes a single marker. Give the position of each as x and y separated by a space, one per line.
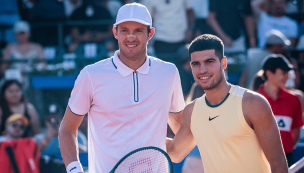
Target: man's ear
114 32
151 33
224 62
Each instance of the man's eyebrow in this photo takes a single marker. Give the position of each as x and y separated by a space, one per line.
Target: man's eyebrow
192 62
210 59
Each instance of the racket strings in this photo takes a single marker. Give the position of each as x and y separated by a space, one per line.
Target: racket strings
145 161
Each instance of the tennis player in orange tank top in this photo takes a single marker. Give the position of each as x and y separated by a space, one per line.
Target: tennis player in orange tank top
234 128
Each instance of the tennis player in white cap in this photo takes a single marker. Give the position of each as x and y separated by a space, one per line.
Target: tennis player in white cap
129 98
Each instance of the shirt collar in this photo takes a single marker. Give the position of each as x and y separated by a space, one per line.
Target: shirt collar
125 70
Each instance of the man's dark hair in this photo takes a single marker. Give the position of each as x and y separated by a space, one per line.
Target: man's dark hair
148 28
207 42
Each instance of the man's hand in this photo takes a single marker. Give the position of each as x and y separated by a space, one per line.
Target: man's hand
227 41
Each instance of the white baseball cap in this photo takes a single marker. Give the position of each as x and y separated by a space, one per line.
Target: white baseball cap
21 26
134 12
276 37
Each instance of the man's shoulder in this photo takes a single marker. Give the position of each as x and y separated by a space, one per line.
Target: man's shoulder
160 63
100 65
253 99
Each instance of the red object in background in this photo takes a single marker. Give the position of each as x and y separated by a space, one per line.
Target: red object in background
26 155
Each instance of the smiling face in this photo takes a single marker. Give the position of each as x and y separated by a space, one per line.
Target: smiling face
132 39
207 69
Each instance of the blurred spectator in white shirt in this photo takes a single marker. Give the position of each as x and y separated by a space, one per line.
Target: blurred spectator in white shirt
276 19
173 22
22 50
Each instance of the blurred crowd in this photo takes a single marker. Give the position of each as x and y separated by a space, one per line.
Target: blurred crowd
44 30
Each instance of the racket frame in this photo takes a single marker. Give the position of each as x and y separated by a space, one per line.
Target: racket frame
144 148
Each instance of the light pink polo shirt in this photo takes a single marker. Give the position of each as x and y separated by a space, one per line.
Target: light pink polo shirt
127 109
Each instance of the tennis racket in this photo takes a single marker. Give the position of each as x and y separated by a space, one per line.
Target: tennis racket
144 160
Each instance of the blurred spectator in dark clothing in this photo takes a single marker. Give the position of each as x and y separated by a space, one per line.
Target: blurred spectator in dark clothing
276 19
113 6
227 18
12 101
22 50
173 22
48 141
276 43
90 10
286 106
25 9
15 126
183 66
201 11
9 14
47 11
70 6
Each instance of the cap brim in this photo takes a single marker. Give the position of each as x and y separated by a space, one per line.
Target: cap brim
132 20
287 68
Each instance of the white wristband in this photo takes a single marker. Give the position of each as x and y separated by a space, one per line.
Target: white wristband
74 167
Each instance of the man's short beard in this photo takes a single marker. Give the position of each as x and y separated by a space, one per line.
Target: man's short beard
215 84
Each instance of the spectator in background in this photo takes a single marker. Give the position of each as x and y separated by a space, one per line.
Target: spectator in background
70 6
48 141
91 10
12 101
225 18
8 16
51 12
201 11
15 126
183 66
174 22
113 6
286 107
22 50
276 19
276 43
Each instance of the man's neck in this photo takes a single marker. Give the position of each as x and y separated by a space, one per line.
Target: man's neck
217 95
271 90
135 63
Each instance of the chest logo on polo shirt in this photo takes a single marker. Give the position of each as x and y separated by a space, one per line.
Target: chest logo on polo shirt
284 122
210 119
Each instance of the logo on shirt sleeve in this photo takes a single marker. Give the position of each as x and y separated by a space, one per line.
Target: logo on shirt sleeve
284 122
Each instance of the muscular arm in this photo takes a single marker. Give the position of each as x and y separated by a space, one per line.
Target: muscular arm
183 142
68 136
259 116
175 121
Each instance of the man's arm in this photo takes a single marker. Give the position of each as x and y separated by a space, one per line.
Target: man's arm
218 30
68 136
296 135
259 116
249 24
175 121
183 142
256 7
